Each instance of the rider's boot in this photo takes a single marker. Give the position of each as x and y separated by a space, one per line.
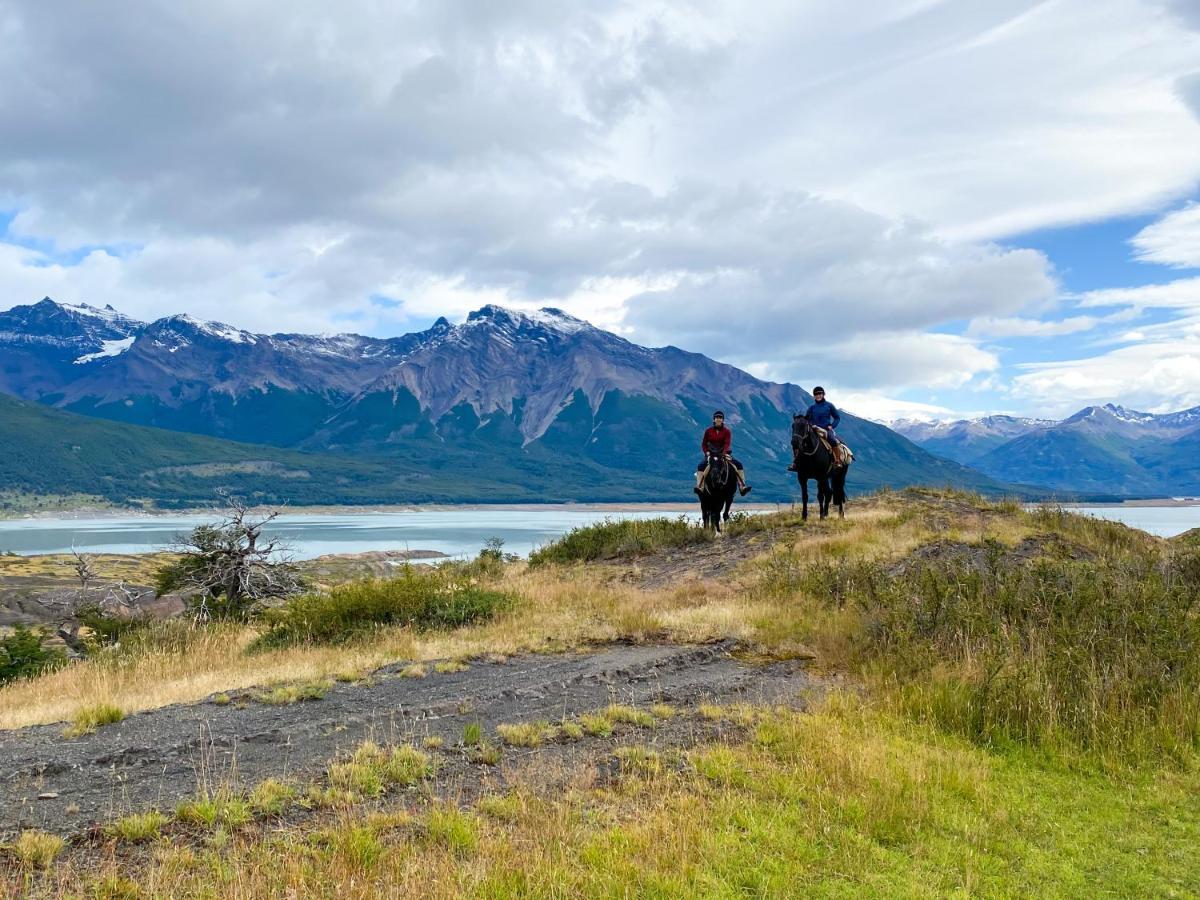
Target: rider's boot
743 488
699 482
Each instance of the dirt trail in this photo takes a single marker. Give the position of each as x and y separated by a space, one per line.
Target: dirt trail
156 758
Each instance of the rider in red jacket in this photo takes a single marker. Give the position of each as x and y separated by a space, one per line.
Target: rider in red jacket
719 439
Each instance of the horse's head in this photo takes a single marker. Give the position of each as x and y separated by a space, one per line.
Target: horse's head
804 439
718 468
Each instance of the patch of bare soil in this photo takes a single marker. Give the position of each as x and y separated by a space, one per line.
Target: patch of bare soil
981 558
714 559
157 758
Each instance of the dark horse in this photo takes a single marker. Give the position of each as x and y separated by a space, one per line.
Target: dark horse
813 460
717 490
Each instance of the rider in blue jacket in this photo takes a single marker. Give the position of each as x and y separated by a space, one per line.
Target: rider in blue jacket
824 414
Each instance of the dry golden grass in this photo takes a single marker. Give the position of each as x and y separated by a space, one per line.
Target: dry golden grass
557 609
136 568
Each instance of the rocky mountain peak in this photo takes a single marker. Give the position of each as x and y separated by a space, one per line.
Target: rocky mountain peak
544 320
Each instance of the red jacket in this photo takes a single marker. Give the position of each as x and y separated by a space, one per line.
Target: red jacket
717 440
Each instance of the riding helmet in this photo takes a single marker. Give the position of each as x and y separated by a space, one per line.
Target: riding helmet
818 390
719 412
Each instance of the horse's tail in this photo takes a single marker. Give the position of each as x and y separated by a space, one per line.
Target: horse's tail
838 483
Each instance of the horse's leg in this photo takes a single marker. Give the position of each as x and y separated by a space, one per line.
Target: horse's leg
839 491
804 498
823 496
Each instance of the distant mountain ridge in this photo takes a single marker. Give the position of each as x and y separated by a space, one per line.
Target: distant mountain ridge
537 400
1099 449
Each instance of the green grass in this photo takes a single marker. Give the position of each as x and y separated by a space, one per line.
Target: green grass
627 715
88 719
210 811
436 598
849 800
138 827
372 769
35 849
619 538
526 734
287 694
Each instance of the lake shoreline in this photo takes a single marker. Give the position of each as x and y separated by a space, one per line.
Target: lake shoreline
116 512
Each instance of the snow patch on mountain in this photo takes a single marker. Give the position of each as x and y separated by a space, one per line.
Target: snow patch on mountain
108 348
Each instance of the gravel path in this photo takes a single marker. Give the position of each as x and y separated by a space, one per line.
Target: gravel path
156 758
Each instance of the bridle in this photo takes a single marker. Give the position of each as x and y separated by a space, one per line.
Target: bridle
809 435
719 468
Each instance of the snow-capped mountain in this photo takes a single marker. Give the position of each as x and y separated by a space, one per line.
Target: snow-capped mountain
538 392
965 440
1105 449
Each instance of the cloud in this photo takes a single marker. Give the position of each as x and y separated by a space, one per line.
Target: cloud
998 327
1174 240
880 408
886 362
1182 293
1162 376
770 185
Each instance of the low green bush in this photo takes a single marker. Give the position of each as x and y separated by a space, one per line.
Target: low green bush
620 537
432 598
24 654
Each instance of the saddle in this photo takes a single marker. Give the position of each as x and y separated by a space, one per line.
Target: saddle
842 455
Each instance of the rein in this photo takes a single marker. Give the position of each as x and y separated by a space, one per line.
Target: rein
809 434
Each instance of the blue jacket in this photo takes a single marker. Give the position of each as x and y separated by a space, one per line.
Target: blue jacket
824 415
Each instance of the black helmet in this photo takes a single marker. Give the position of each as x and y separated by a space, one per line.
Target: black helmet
818 390
719 412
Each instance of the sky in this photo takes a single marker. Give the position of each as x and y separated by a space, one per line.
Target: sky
935 208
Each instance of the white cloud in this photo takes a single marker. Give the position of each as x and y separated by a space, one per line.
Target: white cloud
1183 293
886 362
1162 376
998 327
1174 240
880 408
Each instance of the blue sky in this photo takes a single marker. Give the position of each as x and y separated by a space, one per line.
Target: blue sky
933 207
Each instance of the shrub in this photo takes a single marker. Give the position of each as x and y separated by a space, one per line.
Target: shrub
620 537
108 629
24 654
430 599
1102 655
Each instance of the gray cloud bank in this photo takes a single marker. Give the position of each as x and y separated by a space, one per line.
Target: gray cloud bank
677 170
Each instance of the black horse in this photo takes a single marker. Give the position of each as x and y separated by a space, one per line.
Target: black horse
813 460
717 491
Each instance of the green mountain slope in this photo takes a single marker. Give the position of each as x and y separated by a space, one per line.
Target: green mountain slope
631 449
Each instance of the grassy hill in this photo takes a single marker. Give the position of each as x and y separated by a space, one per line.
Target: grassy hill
999 703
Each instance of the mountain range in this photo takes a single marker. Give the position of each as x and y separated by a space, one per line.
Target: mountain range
507 405
1099 450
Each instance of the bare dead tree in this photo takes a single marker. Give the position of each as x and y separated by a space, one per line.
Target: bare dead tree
230 567
85 570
